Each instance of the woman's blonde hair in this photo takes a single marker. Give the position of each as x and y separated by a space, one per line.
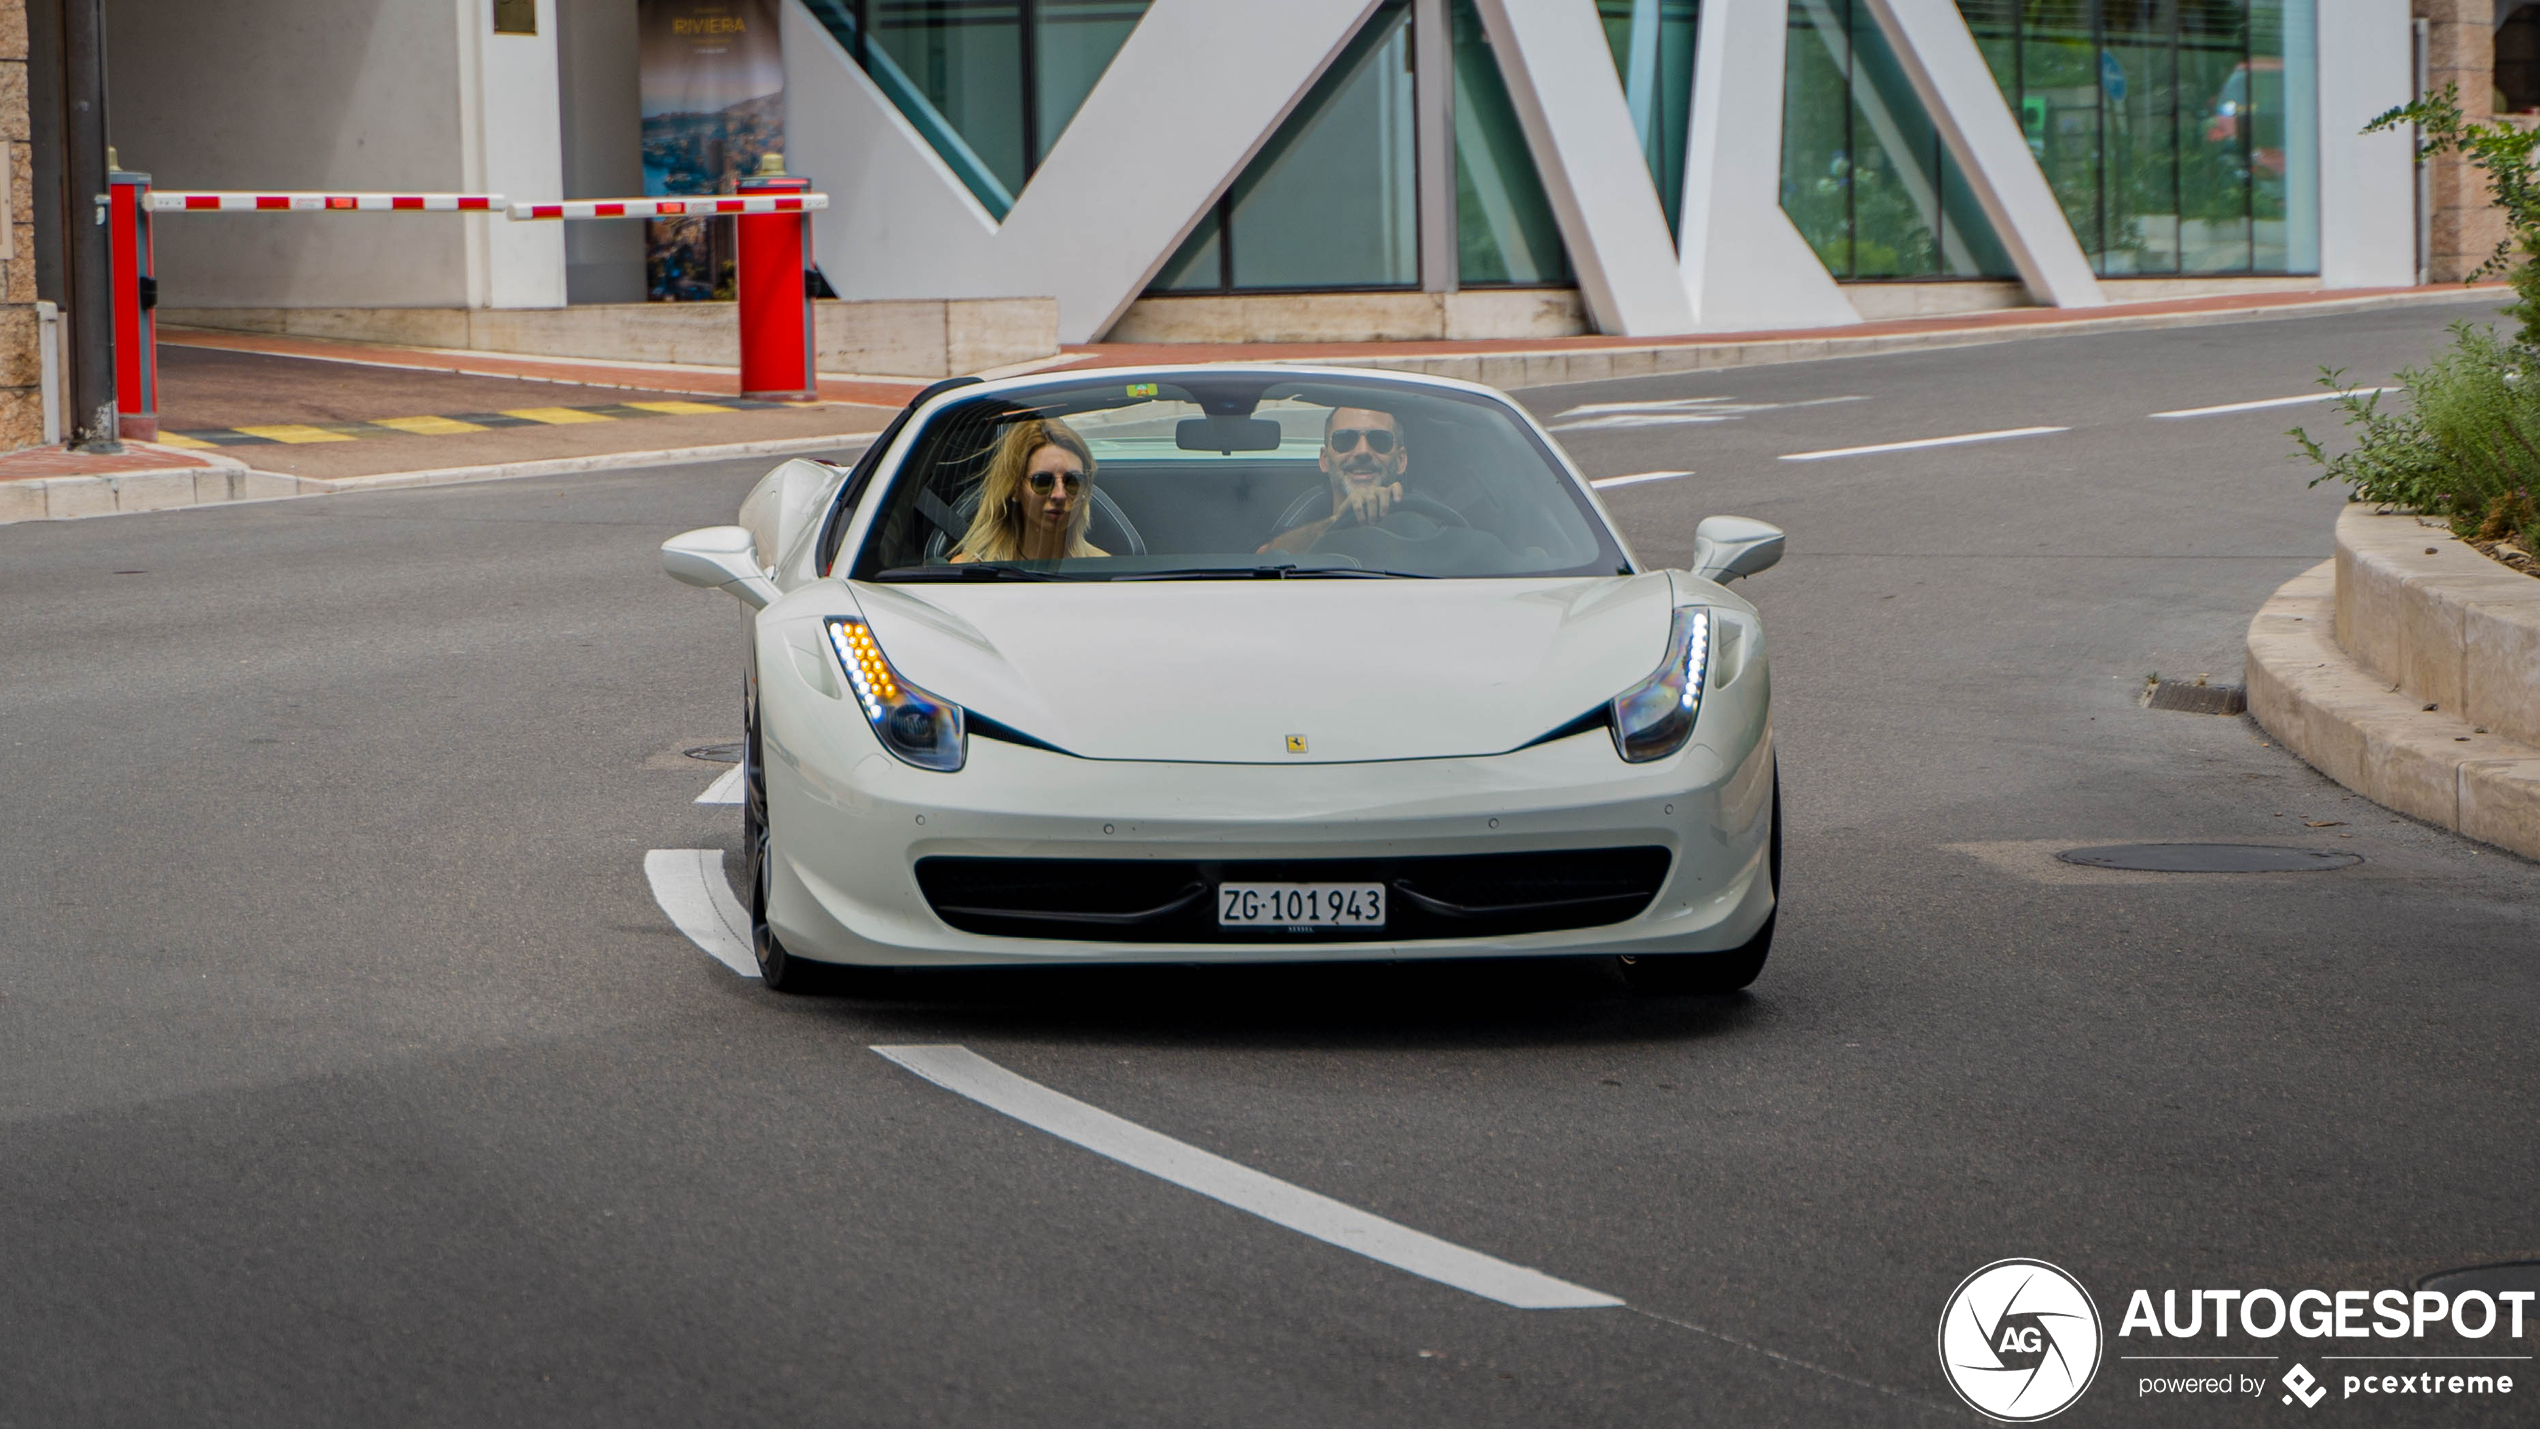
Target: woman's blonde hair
996 528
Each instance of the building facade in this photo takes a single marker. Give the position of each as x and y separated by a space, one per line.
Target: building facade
1204 169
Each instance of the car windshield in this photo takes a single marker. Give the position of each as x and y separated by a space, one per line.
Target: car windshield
1231 475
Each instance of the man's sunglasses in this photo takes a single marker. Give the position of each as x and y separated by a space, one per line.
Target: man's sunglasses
1345 439
1043 481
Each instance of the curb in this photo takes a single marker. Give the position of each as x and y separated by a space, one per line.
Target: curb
63 498
2362 732
1552 367
209 479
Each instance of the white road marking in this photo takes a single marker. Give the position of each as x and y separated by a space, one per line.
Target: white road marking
688 883
1960 440
1678 411
1603 482
2269 402
726 788
958 1069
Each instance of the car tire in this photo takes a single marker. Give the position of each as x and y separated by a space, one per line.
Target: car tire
778 969
1716 974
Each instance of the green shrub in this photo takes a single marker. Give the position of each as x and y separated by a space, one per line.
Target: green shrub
2467 446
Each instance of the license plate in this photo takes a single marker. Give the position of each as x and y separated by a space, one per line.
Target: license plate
1300 905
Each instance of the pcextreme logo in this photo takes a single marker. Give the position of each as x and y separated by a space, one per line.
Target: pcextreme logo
2019 1340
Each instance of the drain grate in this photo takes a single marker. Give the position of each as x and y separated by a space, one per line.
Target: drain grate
2208 858
2521 1275
2194 697
716 753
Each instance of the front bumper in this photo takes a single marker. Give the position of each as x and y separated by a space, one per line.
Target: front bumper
849 824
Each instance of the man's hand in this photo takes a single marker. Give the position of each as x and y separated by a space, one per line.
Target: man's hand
1366 505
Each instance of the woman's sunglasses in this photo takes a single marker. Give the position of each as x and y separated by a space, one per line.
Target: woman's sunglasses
1345 439
1044 481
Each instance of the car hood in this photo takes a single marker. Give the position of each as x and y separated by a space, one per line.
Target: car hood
1226 671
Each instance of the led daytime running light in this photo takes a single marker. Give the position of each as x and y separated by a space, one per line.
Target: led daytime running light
1654 718
915 726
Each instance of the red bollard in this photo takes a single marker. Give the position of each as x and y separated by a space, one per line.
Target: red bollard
775 297
136 295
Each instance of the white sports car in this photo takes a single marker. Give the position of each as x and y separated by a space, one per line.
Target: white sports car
1225 664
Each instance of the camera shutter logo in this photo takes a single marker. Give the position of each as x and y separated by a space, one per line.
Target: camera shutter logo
2019 1340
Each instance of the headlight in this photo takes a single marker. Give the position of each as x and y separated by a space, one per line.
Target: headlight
916 726
1654 718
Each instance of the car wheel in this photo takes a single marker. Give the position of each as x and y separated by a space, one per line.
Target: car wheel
1713 974
780 972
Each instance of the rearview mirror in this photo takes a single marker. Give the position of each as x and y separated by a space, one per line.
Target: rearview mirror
1226 434
1727 547
723 558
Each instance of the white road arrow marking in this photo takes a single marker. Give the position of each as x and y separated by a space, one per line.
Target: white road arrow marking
689 885
958 1069
2269 402
1917 445
1673 412
726 788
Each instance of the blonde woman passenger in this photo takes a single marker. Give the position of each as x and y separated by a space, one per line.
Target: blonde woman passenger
1037 498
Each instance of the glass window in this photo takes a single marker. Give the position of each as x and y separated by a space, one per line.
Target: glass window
1652 41
1228 474
2178 135
1504 228
990 83
1331 201
1865 176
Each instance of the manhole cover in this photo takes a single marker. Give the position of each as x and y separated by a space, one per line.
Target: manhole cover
2511 1275
2207 858
2190 697
716 753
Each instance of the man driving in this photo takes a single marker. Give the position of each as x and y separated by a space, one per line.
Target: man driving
1363 457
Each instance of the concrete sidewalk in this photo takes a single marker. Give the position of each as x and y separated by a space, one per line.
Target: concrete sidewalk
239 423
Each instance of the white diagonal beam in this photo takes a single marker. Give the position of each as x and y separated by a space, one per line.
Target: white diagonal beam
1161 135
1940 59
1561 79
1744 264
2366 189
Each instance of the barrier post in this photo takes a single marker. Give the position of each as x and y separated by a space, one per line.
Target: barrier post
773 287
136 300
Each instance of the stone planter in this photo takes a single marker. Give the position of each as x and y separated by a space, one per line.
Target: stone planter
2408 670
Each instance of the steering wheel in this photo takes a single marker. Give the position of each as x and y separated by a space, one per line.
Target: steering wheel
1413 503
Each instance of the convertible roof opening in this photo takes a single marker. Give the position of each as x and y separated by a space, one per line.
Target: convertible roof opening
1230 474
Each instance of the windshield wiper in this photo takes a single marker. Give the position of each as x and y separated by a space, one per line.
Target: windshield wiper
1271 573
968 571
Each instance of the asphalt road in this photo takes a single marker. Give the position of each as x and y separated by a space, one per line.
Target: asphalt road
349 1072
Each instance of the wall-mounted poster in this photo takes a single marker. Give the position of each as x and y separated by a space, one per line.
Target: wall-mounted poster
713 103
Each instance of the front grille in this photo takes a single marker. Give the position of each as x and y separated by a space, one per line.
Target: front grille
1173 900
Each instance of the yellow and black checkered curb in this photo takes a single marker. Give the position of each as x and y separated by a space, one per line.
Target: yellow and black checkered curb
294 433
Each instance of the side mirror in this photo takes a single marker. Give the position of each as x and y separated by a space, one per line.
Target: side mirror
1726 547
723 558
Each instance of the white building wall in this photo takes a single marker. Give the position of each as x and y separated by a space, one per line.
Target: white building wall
275 94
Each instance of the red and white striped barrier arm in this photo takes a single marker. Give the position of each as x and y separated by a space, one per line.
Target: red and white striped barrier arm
165 201
704 207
